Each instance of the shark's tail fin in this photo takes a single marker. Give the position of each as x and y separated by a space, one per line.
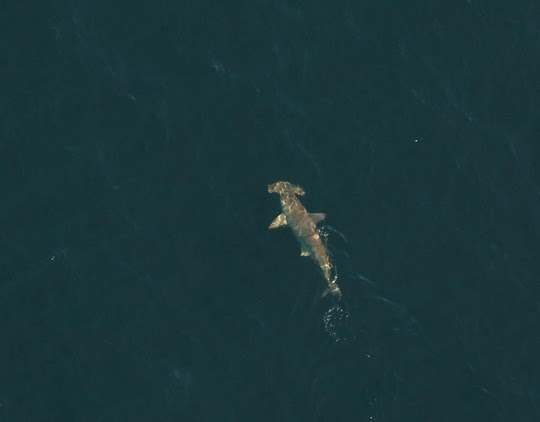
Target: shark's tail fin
332 288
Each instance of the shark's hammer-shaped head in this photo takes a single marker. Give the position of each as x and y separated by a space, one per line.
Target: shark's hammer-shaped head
283 187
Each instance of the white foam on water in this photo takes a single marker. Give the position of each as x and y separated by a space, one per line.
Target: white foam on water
336 323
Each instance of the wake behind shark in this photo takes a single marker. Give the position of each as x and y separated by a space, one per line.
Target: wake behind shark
304 227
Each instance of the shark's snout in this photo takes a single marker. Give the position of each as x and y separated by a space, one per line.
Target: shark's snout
277 187
272 188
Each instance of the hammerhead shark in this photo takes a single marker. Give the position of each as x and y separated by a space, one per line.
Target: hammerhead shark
304 227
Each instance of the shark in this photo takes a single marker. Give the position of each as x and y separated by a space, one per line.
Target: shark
304 227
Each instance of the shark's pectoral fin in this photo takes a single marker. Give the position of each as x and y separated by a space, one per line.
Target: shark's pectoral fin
317 217
279 221
304 252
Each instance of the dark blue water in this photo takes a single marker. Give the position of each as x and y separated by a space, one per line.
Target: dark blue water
138 279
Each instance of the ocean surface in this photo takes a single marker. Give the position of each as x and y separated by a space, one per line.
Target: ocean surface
138 278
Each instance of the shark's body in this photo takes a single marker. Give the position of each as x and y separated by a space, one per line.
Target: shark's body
304 227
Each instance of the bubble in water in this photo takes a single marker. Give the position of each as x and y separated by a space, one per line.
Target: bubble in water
337 325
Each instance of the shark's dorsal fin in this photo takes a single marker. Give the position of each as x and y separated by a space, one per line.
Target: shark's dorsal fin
279 221
317 217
